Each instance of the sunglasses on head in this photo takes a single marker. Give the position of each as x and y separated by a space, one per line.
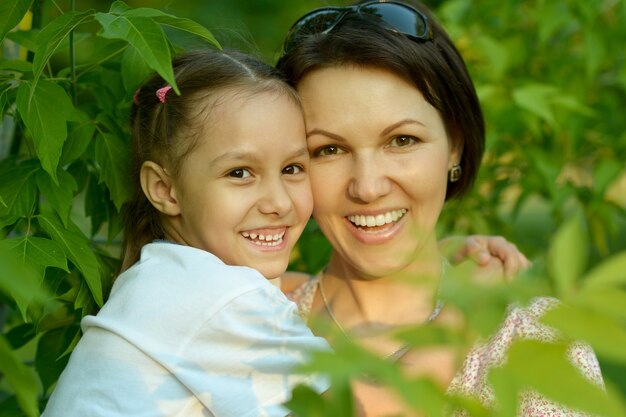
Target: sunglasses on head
397 17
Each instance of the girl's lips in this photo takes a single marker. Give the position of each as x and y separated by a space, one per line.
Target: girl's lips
386 229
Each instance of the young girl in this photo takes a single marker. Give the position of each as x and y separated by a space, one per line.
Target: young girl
192 327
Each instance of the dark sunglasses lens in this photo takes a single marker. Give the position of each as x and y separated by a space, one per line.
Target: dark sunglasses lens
400 18
316 22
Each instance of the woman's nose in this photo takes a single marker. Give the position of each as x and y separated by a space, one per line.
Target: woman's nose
369 180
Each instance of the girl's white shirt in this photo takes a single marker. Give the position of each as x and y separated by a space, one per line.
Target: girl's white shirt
183 334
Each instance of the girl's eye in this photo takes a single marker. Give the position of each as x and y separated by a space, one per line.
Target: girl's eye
327 150
239 173
402 141
292 169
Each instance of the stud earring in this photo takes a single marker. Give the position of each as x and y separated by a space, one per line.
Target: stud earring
455 173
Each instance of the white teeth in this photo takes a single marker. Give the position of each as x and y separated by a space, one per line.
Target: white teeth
265 240
379 219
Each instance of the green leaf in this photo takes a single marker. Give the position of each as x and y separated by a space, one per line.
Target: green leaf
175 22
113 157
606 335
535 98
52 35
545 369
567 257
146 36
134 69
78 139
609 301
18 188
609 273
77 249
50 360
20 280
16 65
11 13
21 379
59 196
48 128
605 173
37 252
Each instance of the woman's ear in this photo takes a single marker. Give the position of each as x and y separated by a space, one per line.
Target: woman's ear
157 186
456 151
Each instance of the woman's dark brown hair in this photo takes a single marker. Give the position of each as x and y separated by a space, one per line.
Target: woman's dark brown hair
166 132
434 66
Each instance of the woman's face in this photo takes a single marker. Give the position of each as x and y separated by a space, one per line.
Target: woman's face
380 158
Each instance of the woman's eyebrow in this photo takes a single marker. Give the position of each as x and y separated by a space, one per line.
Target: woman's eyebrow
323 132
396 125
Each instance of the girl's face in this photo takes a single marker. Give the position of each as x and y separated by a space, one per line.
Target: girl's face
379 161
244 192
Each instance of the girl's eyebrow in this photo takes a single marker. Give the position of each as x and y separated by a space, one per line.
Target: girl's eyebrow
252 156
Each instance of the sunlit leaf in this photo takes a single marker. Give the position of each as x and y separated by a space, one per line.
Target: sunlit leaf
546 369
11 13
146 36
52 35
568 254
606 335
21 379
77 249
114 160
17 65
48 128
608 274
609 301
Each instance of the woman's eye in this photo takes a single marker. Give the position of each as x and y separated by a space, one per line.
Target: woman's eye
401 141
239 173
292 169
327 150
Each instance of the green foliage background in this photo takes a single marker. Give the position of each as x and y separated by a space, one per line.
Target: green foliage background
551 75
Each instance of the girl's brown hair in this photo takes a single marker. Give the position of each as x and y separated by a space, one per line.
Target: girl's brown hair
166 130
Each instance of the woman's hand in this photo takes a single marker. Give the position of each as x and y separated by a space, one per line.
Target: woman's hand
489 252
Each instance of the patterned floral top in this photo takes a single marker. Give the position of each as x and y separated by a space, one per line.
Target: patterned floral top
471 379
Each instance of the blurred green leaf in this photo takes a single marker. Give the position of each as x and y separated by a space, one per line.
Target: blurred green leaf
567 257
50 360
551 374
606 335
20 378
608 274
536 98
134 69
11 13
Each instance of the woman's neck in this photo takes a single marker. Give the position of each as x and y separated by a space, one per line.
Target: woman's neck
405 297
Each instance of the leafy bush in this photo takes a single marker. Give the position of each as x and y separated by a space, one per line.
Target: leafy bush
552 79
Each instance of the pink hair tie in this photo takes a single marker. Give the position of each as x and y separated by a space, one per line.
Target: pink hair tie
136 96
162 92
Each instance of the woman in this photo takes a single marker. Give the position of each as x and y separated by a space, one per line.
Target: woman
394 129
